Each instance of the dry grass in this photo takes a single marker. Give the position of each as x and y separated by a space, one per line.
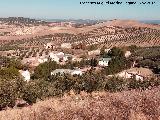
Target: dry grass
126 105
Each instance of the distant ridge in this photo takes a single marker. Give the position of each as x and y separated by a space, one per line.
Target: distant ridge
124 23
151 21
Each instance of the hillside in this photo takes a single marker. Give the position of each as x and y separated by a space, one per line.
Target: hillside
114 32
131 23
12 32
126 105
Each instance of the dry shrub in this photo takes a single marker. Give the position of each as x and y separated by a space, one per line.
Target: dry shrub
126 105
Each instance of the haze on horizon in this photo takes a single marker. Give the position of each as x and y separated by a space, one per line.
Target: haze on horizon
71 9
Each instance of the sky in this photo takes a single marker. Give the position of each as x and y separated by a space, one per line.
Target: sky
72 9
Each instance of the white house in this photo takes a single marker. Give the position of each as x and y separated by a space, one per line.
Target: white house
76 72
67 71
66 57
42 59
107 50
104 61
138 73
139 77
127 54
124 74
26 75
127 75
54 57
59 56
61 71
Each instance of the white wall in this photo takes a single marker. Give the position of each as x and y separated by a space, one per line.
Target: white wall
124 74
54 57
103 63
139 77
77 72
26 75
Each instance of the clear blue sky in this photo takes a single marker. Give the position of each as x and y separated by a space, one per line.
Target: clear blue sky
71 9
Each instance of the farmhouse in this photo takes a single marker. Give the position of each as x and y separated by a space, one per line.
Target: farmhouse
25 74
107 50
138 73
104 62
56 56
67 71
61 71
128 75
60 57
76 72
42 59
67 57
124 74
127 54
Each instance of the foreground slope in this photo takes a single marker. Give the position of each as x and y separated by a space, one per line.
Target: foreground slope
126 105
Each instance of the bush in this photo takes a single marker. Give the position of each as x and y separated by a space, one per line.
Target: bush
63 83
12 87
44 70
118 61
40 89
10 90
10 72
137 84
7 62
32 91
115 84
